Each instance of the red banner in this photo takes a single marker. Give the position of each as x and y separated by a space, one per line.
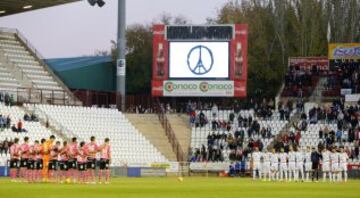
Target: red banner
307 62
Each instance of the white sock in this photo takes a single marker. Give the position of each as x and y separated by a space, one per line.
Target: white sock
259 174
330 176
345 176
307 176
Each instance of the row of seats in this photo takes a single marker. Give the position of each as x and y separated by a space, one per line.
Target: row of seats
14 50
7 81
128 144
36 131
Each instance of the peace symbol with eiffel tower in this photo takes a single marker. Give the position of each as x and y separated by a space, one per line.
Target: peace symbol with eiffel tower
200 60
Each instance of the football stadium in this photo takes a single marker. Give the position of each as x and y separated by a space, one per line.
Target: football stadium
158 98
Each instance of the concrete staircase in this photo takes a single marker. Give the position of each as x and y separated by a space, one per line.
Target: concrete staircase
182 130
286 129
316 96
150 126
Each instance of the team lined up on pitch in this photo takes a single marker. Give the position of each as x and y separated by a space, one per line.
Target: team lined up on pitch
49 161
300 165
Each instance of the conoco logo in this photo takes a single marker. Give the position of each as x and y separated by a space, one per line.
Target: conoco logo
204 86
169 87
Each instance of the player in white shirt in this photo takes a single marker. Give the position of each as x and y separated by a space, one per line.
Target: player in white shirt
283 165
334 160
343 164
308 163
291 163
274 163
326 164
256 162
265 168
299 155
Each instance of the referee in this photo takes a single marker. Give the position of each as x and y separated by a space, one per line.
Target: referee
315 160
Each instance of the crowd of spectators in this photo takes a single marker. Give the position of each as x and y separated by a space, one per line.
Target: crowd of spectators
345 76
300 82
228 136
5 122
6 98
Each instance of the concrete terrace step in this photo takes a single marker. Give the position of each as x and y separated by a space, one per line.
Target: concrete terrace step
150 126
182 130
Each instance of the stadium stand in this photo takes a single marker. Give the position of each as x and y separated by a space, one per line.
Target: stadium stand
345 75
334 124
34 130
301 82
128 144
33 73
230 136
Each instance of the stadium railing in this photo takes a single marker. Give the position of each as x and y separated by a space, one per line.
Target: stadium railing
39 96
180 155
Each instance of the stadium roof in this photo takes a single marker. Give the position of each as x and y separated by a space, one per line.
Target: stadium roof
8 7
64 64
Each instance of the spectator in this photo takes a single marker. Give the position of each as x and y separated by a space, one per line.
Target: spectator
214 110
27 117
321 134
339 134
2 122
8 122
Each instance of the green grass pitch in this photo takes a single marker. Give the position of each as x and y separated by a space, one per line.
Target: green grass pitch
170 187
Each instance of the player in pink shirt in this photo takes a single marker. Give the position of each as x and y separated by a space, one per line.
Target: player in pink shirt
14 159
63 163
24 154
82 163
90 150
31 164
39 150
72 162
53 164
105 158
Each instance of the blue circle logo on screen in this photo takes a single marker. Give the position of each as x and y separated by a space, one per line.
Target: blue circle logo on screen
200 60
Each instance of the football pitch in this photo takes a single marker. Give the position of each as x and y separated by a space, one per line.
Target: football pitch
171 187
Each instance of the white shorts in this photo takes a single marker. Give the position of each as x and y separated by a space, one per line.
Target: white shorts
256 166
283 167
308 166
274 167
334 167
265 167
325 167
343 167
300 166
292 166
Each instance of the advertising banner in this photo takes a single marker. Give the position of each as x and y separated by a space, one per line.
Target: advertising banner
198 88
307 62
344 51
201 166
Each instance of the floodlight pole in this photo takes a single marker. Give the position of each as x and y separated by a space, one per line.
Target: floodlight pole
121 61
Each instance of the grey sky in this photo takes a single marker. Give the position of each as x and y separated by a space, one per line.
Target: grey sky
78 29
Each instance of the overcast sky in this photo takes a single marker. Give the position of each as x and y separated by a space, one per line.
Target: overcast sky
78 29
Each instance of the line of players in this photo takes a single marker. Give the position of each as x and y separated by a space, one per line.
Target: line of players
52 161
300 165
